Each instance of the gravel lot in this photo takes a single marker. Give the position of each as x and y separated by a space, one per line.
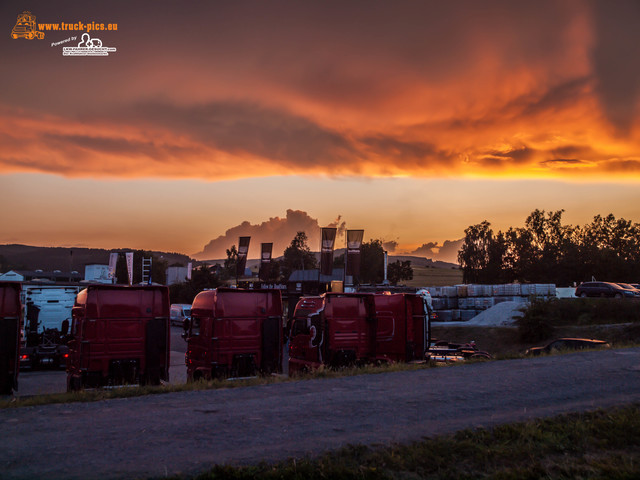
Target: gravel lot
188 432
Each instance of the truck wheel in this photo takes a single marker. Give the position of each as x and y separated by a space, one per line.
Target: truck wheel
74 384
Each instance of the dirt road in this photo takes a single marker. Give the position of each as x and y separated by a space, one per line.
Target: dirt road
190 431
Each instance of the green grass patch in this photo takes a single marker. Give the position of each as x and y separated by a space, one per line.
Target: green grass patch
599 444
587 311
542 319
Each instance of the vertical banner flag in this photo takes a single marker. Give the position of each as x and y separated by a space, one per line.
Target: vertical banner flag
354 242
129 257
265 261
189 269
326 250
243 250
113 261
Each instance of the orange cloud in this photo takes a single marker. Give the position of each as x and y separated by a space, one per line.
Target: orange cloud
423 89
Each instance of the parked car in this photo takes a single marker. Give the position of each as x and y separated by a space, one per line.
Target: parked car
568 344
179 313
603 289
442 351
628 286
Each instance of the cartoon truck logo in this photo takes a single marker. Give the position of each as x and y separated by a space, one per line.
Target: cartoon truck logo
25 27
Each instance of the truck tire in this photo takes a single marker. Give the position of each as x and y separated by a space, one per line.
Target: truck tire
152 380
74 384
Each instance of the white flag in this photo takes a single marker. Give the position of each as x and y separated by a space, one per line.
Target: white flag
113 260
129 257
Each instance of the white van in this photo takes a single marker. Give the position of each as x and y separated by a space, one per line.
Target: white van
180 312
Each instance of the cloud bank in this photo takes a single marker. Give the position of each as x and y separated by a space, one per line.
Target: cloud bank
281 230
276 230
447 252
424 89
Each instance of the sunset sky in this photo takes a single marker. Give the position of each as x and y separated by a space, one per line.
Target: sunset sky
409 119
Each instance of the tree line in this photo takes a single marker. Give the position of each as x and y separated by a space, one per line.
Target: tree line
297 256
546 250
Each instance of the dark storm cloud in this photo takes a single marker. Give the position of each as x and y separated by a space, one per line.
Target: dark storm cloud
116 145
616 59
544 99
517 155
528 107
572 150
332 87
365 51
556 97
404 152
240 128
562 162
628 166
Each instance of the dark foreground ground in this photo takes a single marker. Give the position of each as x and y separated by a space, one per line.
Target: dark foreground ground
189 432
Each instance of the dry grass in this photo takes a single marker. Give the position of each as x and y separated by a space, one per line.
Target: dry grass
93 395
434 277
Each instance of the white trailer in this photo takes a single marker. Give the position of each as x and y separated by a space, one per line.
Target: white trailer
47 318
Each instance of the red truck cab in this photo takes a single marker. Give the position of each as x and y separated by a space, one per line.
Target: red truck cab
404 325
340 329
334 329
234 333
120 335
10 322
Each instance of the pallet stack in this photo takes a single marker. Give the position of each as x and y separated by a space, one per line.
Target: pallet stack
463 302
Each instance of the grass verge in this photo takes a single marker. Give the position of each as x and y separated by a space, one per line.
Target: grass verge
599 444
94 395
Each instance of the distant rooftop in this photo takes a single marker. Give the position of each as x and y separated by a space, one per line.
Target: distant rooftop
312 276
32 275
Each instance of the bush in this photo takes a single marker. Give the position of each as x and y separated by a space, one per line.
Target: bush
539 319
535 324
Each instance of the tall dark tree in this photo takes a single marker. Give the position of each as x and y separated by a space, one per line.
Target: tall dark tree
298 256
611 248
398 271
547 251
272 271
230 263
372 262
474 253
